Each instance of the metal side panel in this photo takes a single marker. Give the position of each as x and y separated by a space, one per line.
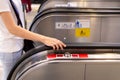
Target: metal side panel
81 4
94 25
102 4
103 71
55 71
47 26
110 29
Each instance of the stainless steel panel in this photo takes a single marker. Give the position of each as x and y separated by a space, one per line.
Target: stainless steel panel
73 70
55 71
40 67
69 34
102 4
110 29
46 26
103 28
103 71
82 4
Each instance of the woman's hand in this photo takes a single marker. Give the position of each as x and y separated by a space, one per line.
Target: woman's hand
53 42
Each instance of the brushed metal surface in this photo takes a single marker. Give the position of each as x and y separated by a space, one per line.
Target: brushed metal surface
103 28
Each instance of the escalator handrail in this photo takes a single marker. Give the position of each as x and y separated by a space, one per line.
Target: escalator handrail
69 46
25 56
72 10
43 1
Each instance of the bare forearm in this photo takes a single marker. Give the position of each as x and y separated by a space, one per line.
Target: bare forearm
18 31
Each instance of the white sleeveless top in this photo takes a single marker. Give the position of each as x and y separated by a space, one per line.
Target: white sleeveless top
8 42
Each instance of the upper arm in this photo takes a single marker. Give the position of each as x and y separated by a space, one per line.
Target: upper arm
8 20
5 14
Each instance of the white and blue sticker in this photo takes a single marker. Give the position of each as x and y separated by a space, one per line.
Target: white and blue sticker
82 24
65 25
72 25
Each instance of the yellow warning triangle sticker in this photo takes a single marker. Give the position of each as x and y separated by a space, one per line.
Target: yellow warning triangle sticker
82 32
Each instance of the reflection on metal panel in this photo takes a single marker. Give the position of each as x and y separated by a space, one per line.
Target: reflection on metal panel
82 3
55 71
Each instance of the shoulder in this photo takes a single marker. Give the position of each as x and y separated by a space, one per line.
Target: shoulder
4 5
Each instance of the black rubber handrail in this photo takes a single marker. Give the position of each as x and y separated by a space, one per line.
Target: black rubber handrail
69 46
42 2
25 56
